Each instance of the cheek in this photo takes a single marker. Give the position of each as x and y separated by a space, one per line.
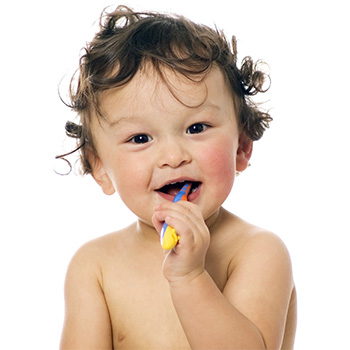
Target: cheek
219 164
130 176
131 180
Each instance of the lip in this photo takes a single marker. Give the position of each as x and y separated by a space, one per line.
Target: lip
192 197
179 179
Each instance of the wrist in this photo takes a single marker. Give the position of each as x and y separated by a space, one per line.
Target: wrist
186 281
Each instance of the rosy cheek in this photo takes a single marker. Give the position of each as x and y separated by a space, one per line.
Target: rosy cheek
218 165
219 159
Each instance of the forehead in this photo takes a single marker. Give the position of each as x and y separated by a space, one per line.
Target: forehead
166 91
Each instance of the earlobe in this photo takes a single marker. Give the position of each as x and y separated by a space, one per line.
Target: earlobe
100 175
244 152
105 182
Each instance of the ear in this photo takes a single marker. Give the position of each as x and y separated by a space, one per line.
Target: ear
99 173
244 152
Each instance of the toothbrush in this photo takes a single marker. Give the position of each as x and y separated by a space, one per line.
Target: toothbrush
168 236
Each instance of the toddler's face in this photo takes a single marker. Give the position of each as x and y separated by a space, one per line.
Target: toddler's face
151 143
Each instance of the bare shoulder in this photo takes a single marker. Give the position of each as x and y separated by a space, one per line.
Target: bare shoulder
248 243
264 271
260 281
259 252
260 243
88 327
94 252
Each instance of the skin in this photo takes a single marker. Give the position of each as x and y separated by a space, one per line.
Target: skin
227 284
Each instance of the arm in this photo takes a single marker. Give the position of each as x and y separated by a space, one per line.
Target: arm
87 324
251 311
209 320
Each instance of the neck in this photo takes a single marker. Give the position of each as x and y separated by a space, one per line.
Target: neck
148 232
214 219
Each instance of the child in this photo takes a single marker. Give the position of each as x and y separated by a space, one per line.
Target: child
162 102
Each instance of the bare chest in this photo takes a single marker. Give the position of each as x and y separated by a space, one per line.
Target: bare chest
140 306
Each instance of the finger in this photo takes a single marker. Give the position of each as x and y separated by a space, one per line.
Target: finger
185 230
182 208
186 219
157 223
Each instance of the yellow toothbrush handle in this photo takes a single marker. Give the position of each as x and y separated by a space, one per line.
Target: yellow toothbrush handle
170 238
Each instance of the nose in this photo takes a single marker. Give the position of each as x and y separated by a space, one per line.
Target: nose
173 153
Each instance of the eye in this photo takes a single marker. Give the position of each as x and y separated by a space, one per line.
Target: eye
140 139
196 128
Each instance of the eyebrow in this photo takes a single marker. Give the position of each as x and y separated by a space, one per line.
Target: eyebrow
124 119
130 118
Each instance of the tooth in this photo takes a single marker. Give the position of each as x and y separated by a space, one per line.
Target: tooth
174 183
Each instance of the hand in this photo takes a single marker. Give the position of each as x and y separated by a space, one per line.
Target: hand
187 260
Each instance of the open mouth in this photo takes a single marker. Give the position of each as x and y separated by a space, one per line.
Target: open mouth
174 188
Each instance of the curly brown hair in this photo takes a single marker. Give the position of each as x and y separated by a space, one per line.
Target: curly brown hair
127 40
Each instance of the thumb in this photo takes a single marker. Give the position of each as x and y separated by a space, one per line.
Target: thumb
157 223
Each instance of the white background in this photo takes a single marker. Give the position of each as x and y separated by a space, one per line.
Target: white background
297 186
